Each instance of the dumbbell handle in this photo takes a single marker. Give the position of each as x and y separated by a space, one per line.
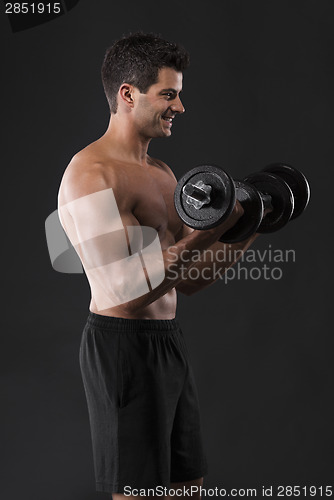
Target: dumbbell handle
197 194
256 205
267 202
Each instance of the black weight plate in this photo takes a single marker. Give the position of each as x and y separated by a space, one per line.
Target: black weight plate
222 197
248 223
282 200
297 182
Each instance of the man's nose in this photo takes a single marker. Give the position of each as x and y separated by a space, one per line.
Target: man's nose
177 106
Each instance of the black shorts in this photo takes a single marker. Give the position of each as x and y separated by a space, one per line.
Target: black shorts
142 402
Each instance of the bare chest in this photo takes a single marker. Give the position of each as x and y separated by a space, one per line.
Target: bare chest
153 194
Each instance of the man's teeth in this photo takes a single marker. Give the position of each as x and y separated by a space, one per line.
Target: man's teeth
167 119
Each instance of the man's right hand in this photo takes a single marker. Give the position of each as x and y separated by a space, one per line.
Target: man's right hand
231 220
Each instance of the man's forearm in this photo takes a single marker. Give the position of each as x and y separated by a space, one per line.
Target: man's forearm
211 264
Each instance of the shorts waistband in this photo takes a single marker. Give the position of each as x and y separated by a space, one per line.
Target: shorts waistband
124 324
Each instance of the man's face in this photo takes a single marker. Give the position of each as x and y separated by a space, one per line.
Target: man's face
155 110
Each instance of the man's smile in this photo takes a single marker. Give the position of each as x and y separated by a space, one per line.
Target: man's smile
168 119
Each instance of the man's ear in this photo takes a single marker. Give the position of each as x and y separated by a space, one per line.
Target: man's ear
126 92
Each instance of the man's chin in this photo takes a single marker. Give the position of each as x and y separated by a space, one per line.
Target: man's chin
166 132
166 129
162 133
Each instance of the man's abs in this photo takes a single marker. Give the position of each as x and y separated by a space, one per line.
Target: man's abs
162 308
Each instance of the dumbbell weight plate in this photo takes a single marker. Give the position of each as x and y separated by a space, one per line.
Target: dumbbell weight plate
297 182
221 197
282 200
253 207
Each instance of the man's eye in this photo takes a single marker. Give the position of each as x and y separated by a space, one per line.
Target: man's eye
168 94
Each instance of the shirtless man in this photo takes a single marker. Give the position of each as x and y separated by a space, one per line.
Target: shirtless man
141 394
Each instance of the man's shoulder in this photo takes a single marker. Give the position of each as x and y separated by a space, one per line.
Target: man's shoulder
91 159
88 171
163 166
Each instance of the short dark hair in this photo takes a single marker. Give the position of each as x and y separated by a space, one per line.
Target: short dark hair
136 59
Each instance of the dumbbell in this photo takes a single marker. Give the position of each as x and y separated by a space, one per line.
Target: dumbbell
283 190
297 182
205 197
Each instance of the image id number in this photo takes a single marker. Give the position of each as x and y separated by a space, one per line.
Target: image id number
304 491
33 8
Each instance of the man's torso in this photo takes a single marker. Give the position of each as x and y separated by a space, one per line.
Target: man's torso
145 193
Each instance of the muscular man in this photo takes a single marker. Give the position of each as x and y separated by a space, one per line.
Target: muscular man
140 389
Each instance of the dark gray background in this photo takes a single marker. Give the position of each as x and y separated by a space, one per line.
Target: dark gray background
259 89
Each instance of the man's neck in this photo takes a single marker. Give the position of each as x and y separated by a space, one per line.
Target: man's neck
122 136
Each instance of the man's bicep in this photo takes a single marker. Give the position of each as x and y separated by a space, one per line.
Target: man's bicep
94 214
95 227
